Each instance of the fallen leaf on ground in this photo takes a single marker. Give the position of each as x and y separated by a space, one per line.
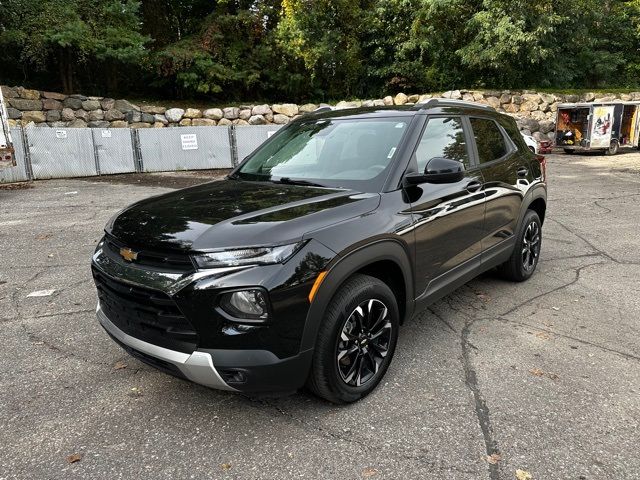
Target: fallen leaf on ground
43 236
541 373
135 392
556 308
76 457
494 458
369 472
119 365
543 335
523 475
225 466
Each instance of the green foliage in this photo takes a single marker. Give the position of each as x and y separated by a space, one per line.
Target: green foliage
317 49
324 34
67 33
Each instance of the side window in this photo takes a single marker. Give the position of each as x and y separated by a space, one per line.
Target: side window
489 140
442 137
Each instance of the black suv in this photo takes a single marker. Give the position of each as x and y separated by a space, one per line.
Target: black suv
300 267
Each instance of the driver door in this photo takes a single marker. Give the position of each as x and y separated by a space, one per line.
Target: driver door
448 219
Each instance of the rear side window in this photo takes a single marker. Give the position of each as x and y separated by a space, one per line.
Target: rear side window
489 140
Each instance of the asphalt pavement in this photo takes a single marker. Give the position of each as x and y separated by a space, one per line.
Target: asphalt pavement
496 381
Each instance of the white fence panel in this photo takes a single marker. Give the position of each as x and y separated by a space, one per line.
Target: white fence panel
61 152
184 148
114 150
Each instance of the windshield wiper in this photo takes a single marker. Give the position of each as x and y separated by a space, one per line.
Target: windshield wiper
297 181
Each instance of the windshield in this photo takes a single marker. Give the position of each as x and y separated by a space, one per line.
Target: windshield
343 153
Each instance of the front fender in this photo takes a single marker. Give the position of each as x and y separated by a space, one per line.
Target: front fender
343 266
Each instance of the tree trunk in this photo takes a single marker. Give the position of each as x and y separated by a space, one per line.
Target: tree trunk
65 66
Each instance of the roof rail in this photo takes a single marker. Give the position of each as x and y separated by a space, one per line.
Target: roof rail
449 102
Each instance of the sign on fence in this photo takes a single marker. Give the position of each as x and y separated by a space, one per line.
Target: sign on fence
189 141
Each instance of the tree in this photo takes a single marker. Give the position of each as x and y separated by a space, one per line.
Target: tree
68 33
232 51
324 35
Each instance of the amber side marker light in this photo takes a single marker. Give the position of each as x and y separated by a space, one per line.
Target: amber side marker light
316 285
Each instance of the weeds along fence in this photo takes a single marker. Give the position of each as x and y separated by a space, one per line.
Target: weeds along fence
43 153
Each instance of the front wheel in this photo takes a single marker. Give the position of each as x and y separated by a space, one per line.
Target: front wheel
525 256
356 340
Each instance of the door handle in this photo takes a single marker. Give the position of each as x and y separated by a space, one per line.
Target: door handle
522 171
473 186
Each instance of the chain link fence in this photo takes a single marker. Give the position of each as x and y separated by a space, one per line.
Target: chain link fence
43 153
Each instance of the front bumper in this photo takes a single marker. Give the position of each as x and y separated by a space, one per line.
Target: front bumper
197 366
202 345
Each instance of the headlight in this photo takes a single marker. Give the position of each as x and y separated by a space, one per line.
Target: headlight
246 256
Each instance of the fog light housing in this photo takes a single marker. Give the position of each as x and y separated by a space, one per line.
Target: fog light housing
250 304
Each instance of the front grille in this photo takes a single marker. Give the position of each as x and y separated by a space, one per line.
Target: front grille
167 262
146 314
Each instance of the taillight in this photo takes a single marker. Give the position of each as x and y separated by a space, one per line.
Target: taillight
543 165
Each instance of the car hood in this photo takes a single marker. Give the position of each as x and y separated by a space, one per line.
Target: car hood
232 213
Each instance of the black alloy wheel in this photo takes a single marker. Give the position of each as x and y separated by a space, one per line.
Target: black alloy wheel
356 340
364 342
531 246
525 256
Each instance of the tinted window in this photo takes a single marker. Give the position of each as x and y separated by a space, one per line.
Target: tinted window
489 140
443 137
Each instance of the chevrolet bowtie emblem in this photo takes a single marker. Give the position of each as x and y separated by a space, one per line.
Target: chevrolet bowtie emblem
128 254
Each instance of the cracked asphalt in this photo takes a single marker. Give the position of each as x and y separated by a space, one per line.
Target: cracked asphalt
542 376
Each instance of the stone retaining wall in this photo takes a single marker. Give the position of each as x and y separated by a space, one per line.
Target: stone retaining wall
535 112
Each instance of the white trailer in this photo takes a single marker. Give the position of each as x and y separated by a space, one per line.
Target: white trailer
598 126
7 157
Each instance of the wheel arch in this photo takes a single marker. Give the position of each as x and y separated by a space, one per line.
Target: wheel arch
536 200
387 260
538 205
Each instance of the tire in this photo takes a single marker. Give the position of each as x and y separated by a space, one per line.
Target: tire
569 151
533 150
614 146
522 264
344 362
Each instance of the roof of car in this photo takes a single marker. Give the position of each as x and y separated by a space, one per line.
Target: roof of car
400 110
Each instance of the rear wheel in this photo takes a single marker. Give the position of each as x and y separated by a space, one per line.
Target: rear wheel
614 146
356 340
525 256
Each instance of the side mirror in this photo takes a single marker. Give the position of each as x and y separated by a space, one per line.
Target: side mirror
444 170
438 170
